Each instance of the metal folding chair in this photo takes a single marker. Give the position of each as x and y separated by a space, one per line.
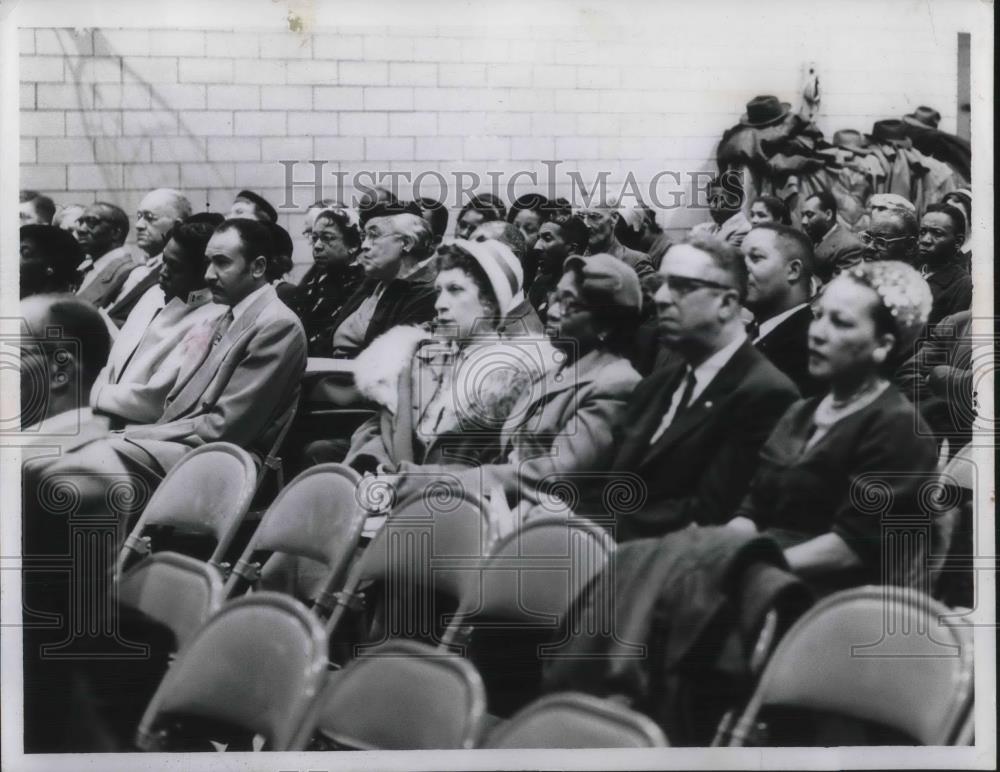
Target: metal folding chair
428 546
882 655
257 666
208 492
311 530
531 577
173 590
573 720
400 696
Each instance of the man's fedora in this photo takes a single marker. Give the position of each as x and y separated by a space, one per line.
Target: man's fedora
923 116
888 131
764 111
847 138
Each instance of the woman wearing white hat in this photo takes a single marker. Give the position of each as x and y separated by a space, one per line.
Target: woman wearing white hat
445 392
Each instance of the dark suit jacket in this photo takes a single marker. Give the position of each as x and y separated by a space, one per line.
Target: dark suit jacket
698 471
787 346
838 249
241 392
951 288
405 301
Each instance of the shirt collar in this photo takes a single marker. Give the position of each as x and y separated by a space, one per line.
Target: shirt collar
707 370
769 324
240 308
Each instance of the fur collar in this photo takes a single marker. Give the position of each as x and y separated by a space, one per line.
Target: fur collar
378 368
497 371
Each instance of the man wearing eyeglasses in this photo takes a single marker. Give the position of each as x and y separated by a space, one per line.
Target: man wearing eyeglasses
694 428
160 211
101 231
891 235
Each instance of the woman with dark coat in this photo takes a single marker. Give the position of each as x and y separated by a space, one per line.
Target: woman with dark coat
844 478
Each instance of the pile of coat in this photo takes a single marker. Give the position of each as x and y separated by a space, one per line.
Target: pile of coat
779 152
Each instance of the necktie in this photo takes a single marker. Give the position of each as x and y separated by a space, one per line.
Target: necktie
672 412
753 330
222 327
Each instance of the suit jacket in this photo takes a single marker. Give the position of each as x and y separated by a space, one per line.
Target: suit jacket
150 353
122 307
699 469
404 301
103 288
242 391
564 425
732 231
837 250
634 259
787 346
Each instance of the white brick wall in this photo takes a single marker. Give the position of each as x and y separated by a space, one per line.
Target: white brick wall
110 113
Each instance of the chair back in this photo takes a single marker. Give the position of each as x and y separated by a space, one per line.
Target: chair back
430 545
573 720
173 590
533 574
258 664
402 695
208 492
879 654
311 529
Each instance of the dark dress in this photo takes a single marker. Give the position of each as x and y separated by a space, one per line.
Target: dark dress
319 297
865 480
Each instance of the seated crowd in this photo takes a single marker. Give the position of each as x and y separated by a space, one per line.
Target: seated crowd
745 382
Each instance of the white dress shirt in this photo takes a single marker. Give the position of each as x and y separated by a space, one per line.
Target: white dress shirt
703 375
769 324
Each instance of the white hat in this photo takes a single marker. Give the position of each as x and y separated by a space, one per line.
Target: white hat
502 268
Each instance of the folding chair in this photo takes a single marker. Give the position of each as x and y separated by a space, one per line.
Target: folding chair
400 696
272 463
173 590
531 576
878 655
207 494
312 530
427 548
512 608
257 666
574 720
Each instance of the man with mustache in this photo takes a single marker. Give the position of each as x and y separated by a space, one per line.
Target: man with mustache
241 387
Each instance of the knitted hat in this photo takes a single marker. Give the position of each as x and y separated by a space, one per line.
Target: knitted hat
502 269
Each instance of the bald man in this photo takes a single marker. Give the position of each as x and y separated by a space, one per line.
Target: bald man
160 211
64 344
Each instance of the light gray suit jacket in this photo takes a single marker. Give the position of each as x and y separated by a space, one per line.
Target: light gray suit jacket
241 392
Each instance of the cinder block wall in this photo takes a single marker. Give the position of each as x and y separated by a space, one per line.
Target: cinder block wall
111 113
